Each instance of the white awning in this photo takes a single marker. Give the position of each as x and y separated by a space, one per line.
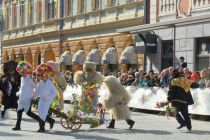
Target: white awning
94 56
79 57
128 56
66 58
110 56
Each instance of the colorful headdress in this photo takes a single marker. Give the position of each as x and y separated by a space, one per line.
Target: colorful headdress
45 69
24 65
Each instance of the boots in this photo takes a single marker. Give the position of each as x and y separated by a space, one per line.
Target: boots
50 121
41 126
19 118
130 122
111 124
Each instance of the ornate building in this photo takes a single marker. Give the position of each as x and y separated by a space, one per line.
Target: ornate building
182 28
41 30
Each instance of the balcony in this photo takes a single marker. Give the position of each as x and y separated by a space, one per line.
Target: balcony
170 9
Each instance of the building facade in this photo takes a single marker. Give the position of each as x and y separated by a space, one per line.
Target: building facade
182 28
41 30
1 28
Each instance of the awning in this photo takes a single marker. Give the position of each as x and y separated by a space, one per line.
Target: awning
166 24
110 56
128 56
66 58
79 57
94 56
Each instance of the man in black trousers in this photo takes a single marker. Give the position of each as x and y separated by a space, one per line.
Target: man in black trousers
180 97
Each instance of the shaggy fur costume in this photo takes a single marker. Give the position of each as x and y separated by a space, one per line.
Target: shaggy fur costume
117 99
88 75
60 80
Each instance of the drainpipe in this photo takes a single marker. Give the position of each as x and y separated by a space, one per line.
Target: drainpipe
146 22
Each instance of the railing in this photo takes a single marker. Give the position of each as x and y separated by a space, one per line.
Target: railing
199 4
167 6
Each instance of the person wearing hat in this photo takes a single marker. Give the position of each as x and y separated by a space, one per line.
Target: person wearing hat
89 80
182 64
47 92
180 97
25 93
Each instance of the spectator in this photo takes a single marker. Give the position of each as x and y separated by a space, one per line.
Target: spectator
204 82
129 81
195 77
182 64
145 81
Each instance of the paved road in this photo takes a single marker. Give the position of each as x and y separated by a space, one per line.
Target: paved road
147 127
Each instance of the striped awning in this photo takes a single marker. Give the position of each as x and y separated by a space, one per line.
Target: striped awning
66 58
110 56
79 57
94 56
128 56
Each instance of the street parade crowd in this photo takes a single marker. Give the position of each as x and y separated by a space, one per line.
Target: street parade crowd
22 86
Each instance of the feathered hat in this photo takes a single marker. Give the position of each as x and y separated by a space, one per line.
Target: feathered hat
24 65
89 66
45 70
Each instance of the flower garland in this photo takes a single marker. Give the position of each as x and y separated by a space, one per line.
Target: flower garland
24 65
44 70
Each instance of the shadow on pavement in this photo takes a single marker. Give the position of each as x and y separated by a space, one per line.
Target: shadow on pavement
3 124
79 136
127 131
6 134
199 132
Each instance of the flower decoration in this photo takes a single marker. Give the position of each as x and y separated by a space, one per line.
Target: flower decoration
45 69
24 65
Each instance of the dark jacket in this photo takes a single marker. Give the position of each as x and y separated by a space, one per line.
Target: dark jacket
179 97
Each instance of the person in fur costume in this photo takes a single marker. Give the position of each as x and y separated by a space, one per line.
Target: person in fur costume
117 102
59 81
9 86
89 80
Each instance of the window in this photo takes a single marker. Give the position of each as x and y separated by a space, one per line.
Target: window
52 7
22 13
80 8
30 11
68 4
167 54
14 15
111 3
95 5
39 11
203 51
6 16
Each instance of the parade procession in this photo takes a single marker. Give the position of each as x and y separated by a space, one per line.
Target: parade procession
105 69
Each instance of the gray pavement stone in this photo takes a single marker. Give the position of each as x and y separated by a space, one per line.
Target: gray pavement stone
147 127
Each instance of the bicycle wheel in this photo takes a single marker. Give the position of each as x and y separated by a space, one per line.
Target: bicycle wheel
76 124
64 123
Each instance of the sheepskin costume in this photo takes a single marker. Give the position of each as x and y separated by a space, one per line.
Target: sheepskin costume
88 74
60 80
117 99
